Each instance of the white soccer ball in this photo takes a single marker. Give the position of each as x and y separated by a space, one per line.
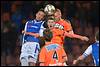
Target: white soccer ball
49 9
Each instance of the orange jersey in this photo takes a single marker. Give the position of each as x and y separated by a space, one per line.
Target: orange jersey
66 26
57 36
58 31
52 54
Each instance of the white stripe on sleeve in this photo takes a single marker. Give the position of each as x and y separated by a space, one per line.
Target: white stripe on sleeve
24 30
41 29
88 51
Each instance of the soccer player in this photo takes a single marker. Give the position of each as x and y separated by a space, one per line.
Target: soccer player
92 49
63 28
56 33
30 47
51 54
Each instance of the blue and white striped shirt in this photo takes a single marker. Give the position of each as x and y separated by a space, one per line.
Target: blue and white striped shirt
34 26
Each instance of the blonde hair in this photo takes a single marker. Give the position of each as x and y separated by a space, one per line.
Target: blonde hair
57 10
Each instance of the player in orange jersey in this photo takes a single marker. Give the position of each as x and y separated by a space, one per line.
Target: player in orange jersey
51 54
62 28
57 34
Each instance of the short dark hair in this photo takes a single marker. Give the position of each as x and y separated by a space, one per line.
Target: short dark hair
41 41
42 10
97 35
47 34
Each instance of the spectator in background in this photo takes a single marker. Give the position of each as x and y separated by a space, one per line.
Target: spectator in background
8 37
16 17
6 5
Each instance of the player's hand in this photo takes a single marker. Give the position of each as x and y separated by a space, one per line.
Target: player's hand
74 62
23 31
36 35
64 64
84 38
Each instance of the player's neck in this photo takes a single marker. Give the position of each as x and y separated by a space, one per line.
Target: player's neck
57 19
37 19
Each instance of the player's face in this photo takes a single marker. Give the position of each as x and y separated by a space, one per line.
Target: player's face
40 15
50 23
57 14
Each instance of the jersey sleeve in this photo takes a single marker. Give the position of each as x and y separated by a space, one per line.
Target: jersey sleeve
25 29
88 51
42 55
67 26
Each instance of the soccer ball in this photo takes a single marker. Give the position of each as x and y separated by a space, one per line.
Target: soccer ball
49 9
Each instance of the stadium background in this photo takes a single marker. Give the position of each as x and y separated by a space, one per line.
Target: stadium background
84 17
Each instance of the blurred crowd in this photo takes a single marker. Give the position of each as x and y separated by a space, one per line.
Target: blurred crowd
83 15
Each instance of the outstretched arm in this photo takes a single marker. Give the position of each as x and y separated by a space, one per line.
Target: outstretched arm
87 52
71 34
78 59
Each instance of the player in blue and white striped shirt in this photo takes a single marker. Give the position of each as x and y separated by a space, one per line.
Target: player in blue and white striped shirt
92 49
30 46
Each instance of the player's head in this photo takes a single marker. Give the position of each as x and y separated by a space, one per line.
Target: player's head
40 14
57 14
41 41
47 34
97 35
50 21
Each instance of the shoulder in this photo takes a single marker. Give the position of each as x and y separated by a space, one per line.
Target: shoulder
29 21
89 48
95 44
66 22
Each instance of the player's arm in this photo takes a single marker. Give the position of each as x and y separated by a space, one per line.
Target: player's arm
25 29
64 56
65 61
78 59
71 34
35 34
42 57
31 33
41 63
87 52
